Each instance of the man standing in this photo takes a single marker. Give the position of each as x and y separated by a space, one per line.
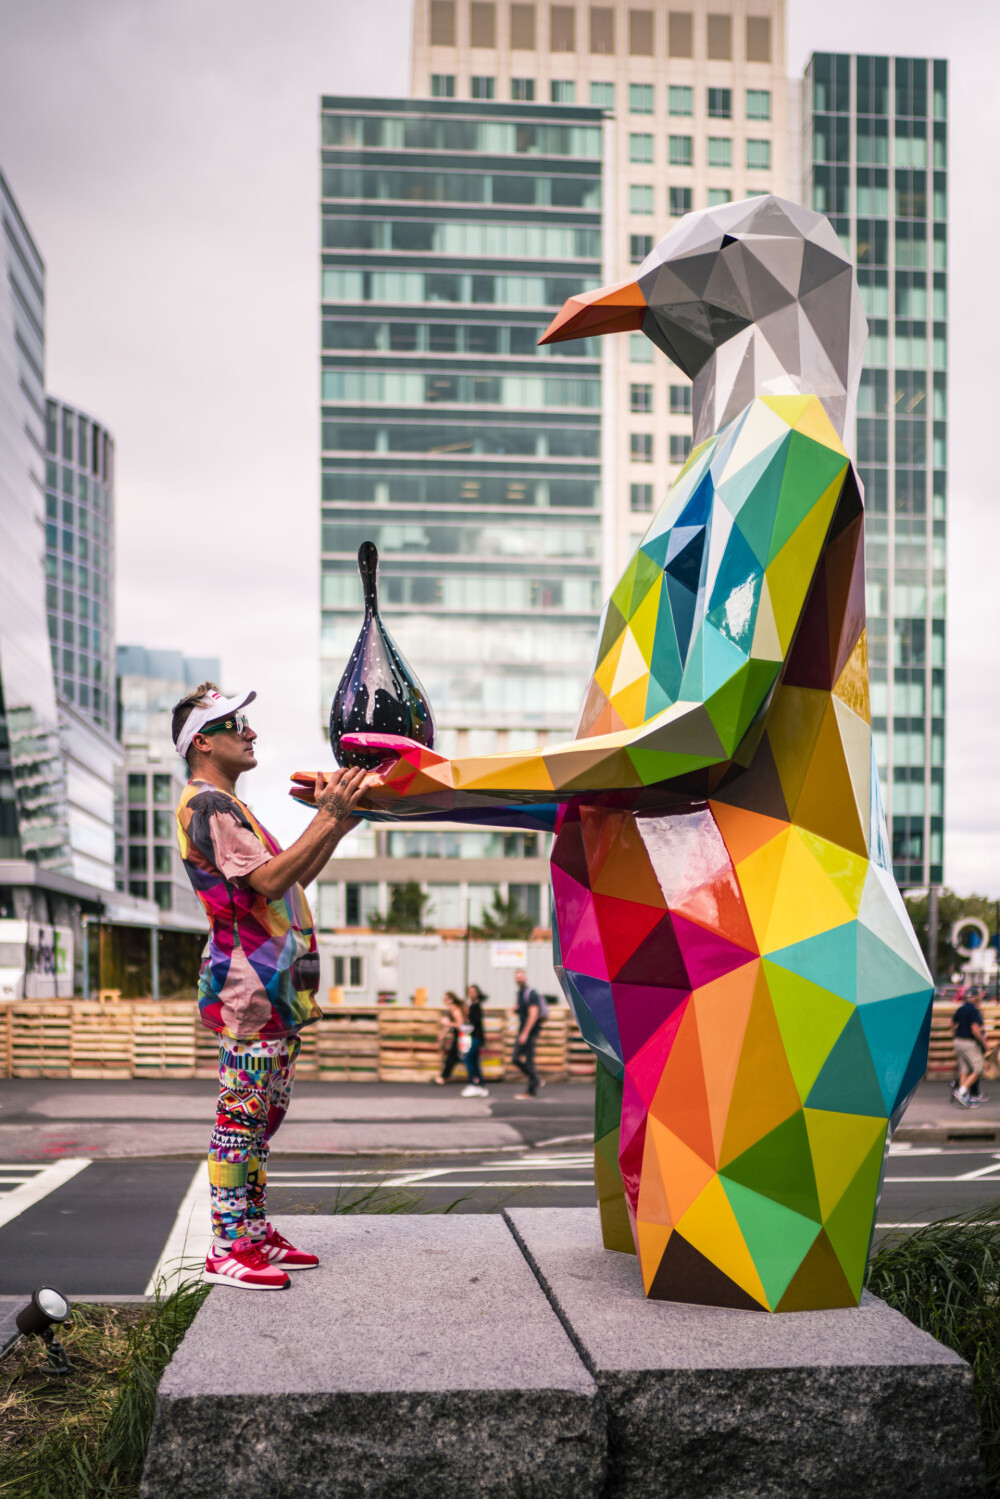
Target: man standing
260 972
531 1013
968 1029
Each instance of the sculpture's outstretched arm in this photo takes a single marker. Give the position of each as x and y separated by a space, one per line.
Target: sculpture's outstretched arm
694 637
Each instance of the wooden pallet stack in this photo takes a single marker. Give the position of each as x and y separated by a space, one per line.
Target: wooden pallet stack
163 1041
580 1061
41 1039
408 1050
348 1046
101 1040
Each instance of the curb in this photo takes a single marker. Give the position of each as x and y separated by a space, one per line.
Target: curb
948 1134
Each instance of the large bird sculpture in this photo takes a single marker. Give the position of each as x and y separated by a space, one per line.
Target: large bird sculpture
727 929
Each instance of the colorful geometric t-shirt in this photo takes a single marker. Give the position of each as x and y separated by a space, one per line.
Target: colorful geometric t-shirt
261 971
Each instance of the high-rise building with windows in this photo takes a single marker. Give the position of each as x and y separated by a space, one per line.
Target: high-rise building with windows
452 230
697 98
79 560
876 162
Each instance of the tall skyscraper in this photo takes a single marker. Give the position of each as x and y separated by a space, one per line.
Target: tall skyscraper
79 560
451 232
876 162
697 99
147 858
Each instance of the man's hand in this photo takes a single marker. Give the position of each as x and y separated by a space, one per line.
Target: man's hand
336 794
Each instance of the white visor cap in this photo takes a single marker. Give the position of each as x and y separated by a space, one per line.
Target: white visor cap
213 706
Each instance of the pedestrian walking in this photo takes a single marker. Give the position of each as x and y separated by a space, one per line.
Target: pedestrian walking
260 973
531 1014
449 1031
475 999
969 1032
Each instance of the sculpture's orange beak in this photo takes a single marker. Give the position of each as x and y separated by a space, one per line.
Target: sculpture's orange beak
610 309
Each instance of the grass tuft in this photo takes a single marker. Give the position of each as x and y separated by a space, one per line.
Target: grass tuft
946 1279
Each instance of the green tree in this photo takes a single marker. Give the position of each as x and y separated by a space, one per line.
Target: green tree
504 921
950 908
406 910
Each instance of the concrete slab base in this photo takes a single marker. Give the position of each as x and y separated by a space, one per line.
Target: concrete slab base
707 1403
421 1359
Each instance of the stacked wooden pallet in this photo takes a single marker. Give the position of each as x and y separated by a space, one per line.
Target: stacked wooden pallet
579 1057
101 1037
347 1044
41 1039
408 1050
163 1041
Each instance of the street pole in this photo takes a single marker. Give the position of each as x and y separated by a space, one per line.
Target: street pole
932 930
468 911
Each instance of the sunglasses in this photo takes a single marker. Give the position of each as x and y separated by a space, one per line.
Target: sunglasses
239 722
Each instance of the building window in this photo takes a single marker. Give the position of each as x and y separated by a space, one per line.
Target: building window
527 898
640 98
162 859
758 156
680 33
602 96
641 447
348 972
137 788
442 85
758 39
720 38
639 246
163 791
719 195
681 150
522 28
640 33
640 498
640 399
680 201
680 447
137 858
640 350
360 901
137 822
140 888
522 90
163 825
758 103
640 149
483 88
163 894
562 28
640 198
720 151
442 23
562 91
680 400
602 30
720 104
482 23
680 100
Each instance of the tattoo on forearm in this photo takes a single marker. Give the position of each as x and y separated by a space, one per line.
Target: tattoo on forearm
334 803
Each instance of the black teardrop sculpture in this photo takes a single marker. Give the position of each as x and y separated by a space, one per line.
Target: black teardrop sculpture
378 693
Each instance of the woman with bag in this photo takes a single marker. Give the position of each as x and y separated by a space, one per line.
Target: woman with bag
476 1040
452 1021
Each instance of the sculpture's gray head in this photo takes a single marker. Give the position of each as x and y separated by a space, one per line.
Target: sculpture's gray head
751 298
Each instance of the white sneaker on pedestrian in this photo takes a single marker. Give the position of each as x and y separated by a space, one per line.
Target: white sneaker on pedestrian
470 1092
483 1092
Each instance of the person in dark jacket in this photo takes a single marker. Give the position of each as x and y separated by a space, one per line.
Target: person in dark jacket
530 1015
476 1041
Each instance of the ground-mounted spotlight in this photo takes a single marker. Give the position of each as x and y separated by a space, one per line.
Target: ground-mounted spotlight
47 1308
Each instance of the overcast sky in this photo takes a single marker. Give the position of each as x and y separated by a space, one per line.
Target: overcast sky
164 155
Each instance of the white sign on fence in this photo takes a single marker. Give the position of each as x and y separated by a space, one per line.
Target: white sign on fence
508 954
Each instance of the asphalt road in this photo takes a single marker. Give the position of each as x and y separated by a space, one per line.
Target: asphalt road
109 1226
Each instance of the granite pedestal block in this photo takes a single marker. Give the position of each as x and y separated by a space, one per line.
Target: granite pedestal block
707 1403
421 1359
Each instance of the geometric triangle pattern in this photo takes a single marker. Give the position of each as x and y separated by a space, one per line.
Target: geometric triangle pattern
726 927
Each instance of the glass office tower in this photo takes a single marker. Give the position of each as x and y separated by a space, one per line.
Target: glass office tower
452 233
876 162
79 560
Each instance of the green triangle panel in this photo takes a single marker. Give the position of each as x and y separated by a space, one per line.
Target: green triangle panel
820 1283
693 680
780 1166
829 959
850 1225
622 596
725 705
810 469
614 624
608 1092
721 658
647 572
755 517
666 667
777 1238
848 1083
810 1020
893 1028
882 973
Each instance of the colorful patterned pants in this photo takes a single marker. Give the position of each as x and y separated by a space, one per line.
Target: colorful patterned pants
255 1085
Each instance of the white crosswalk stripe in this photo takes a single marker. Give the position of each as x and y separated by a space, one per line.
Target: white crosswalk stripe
29 1184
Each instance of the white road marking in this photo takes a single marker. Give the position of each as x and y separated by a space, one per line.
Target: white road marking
44 1181
189 1240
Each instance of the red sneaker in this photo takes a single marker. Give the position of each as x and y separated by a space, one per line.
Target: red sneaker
244 1265
275 1248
